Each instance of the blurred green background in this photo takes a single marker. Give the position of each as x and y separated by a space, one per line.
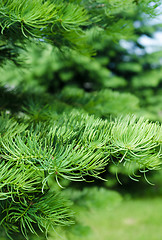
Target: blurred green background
129 80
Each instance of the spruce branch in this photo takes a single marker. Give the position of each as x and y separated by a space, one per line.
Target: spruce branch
127 138
46 20
52 155
40 212
72 146
137 140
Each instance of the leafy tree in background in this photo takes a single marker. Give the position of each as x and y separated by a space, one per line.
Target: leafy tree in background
50 132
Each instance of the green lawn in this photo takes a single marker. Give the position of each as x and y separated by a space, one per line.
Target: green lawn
133 219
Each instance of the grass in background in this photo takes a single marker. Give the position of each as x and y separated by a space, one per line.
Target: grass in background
125 219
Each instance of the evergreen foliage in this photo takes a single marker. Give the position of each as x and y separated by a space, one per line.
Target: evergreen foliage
50 127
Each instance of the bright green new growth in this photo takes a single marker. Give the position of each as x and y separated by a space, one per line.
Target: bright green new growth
45 138
49 20
72 148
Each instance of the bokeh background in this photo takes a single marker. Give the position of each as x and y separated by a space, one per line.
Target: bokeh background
127 72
